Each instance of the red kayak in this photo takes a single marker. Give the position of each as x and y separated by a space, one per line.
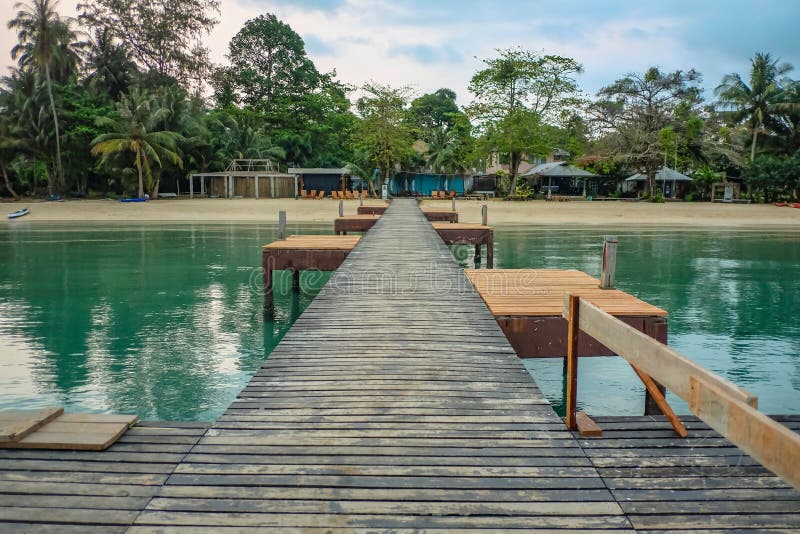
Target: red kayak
781 204
796 205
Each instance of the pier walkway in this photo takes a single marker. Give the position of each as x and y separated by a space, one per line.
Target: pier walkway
395 403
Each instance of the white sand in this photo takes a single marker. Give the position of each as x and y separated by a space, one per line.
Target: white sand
614 213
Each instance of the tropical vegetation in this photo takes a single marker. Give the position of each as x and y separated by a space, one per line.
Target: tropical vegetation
124 100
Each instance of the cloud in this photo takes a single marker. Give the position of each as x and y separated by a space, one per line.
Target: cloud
426 54
315 45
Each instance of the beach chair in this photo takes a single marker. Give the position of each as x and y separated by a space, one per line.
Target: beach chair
434 194
313 193
452 194
442 195
334 194
349 195
321 195
303 193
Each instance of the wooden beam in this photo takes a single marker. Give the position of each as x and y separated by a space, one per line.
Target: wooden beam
665 365
15 425
572 361
658 396
587 427
770 443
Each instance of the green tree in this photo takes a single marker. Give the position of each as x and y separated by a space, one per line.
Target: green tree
433 111
9 143
109 68
383 134
46 41
758 103
520 86
269 66
163 37
134 130
635 111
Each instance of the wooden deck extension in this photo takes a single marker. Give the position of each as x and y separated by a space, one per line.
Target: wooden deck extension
527 304
381 410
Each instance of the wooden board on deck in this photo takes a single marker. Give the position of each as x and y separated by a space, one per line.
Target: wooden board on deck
88 432
316 242
458 226
540 292
16 424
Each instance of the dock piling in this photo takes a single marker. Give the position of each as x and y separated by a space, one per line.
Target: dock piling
484 215
281 225
454 204
341 208
609 262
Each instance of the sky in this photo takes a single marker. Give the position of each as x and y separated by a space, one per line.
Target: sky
432 44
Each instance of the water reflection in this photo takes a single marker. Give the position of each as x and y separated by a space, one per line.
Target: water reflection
161 321
733 298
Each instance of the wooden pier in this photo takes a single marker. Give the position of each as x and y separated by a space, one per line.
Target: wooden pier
468 234
305 252
354 223
527 304
395 403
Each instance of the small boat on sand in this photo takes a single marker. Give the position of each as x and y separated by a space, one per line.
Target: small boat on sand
140 199
19 213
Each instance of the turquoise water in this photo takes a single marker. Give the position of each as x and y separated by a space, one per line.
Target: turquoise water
167 321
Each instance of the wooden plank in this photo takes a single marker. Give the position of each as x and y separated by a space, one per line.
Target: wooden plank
15 425
663 405
572 362
76 435
586 426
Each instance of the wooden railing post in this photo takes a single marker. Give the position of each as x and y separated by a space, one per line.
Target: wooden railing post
454 203
341 208
484 215
572 361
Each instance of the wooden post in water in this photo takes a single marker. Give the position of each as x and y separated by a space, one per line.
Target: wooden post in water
361 198
572 362
484 215
296 279
341 208
281 225
454 203
609 262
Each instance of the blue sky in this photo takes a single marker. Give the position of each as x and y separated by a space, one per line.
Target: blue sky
432 44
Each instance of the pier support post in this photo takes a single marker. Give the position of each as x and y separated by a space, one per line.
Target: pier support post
341 208
296 279
281 225
609 262
571 398
477 258
490 250
484 215
454 203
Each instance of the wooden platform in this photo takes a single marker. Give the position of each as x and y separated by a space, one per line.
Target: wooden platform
53 429
371 210
527 304
468 234
305 252
354 223
441 215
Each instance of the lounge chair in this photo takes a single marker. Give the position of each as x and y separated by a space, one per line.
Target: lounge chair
442 195
434 194
452 194
321 195
313 193
303 193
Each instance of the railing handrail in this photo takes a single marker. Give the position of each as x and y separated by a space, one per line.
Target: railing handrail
724 406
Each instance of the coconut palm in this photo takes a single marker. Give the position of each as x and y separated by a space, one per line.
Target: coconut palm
758 102
47 42
442 151
134 131
247 140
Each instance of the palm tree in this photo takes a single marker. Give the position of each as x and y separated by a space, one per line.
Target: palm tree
45 41
9 141
133 131
247 140
759 102
442 151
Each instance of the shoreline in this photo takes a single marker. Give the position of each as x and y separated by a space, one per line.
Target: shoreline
634 215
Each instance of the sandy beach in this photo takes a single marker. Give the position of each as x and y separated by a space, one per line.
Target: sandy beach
640 214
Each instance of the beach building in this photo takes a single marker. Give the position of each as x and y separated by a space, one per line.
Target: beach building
423 184
562 179
326 179
246 178
672 183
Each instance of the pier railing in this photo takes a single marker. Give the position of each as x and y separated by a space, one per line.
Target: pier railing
725 407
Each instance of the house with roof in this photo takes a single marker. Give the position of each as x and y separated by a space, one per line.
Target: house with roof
671 182
559 178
